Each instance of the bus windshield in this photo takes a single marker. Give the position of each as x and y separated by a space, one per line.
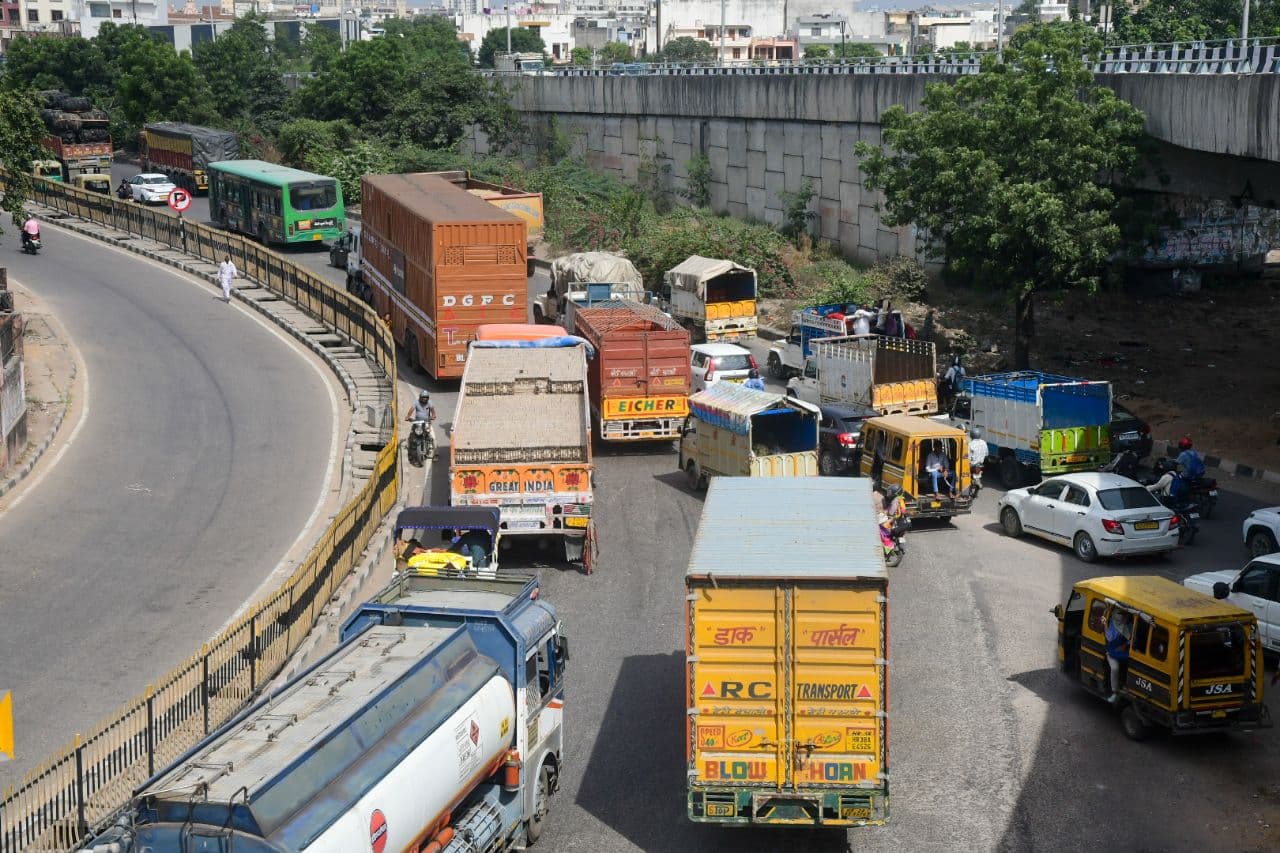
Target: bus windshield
313 196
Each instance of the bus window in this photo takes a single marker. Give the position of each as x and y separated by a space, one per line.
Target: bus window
313 196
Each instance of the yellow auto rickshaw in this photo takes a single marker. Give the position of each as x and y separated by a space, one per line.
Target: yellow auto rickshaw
94 183
49 170
896 450
1179 660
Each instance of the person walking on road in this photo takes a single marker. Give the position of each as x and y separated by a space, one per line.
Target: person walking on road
226 274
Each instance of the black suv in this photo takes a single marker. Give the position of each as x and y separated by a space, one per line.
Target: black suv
1129 432
839 431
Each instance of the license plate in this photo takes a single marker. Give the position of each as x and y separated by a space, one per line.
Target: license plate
1078 457
1195 515
317 236
1219 715
1127 436
1146 525
646 433
524 525
721 809
857 813
935 504
576 521
1213 493
738 381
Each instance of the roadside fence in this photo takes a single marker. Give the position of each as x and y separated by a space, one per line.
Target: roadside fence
61 802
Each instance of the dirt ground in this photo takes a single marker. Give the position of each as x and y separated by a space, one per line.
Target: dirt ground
1199 364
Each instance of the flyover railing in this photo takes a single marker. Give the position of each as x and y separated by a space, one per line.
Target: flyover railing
1228 56
86 784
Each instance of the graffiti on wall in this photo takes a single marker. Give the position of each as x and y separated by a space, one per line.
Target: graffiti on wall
1211 232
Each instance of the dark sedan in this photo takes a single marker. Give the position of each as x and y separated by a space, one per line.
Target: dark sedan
1129 432
839 431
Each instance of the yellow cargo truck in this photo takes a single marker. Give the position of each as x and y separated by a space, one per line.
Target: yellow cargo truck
740 432
787 648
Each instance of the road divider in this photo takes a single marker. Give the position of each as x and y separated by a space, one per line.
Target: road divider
84 786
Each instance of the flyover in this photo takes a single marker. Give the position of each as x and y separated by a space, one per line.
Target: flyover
1215 111
200 456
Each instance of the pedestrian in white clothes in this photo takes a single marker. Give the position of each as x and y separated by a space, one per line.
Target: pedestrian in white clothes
226 274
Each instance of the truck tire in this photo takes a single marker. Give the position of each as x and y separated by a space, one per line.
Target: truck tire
541 805
1010 472
691 474
538 316
411 354
776 370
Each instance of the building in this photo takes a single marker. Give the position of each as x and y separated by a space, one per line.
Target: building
868 28
554 28
92 14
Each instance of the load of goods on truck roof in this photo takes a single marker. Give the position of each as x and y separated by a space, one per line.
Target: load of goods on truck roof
73 119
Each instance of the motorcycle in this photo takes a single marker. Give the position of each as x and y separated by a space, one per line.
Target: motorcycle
975 477
30 244
1124 464
124 192
422 445
892 539
1204 490
1187 510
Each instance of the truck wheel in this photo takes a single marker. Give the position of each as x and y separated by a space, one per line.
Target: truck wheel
1135 728
691 474
1010 472
411 352
538 316
541 805
776 370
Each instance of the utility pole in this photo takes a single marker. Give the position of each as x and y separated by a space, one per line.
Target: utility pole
722 14
1244 23
508 5
1000 32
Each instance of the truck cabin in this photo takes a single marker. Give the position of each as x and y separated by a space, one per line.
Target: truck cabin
444 540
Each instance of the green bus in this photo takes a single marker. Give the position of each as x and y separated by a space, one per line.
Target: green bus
275 203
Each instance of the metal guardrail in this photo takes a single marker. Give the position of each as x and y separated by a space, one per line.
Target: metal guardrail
1230 56
62 801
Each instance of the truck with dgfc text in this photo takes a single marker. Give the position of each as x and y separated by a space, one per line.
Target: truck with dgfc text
639 379
734 431
436 725
521 438
1037 423
440 262
183 152
894 376
714 298
787 656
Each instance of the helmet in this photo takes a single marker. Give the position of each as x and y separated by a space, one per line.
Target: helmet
753 373
975 433
1184 443
424 397
892 492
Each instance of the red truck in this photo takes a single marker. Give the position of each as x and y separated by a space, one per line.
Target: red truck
440 262
80 158
184 152
639 380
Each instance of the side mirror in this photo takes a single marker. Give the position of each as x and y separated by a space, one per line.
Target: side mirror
562 647
1057 610
1221 590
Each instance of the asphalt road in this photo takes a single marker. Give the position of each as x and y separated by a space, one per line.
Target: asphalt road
991 748
200 458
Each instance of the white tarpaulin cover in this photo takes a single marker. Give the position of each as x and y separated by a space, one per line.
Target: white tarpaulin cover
599 268
692 274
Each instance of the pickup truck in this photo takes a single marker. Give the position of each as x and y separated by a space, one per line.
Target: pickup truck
894 376
1253 588
714 298
836 320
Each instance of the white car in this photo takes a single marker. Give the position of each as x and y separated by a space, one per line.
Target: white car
1098 515
1261 531
151 188
1256 588
712 363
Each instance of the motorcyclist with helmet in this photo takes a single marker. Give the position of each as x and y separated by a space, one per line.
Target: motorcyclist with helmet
422 409
422 412
892 516
1190 463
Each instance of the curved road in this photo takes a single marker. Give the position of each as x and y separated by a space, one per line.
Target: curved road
202 454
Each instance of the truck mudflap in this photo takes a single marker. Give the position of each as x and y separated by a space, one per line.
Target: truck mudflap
788 808
1066 449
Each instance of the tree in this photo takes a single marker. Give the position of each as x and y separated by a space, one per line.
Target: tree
21 135
688 49
244 73
614 51
817 51
1162 21
581 56
523 40
1009 171
320 45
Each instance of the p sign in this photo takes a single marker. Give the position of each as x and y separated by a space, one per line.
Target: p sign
179 200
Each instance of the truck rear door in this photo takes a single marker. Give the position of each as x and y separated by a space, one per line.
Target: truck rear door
1075 433
786 696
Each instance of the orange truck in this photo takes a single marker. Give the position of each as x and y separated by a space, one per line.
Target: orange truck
440 262
521 438
526 205
639 378
787 683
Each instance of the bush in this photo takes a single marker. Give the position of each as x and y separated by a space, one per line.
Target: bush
900 279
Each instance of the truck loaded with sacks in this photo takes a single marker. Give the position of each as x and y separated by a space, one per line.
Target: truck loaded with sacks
437 724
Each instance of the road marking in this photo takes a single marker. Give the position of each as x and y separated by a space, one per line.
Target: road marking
327 379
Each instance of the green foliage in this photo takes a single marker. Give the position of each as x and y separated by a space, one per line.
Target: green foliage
301 139
523 40
822 52
581 56
817 51
1191 20
350 163
21 132
1009 171
797 211
829 280
687 49
244 72
698 187
320 45
899 279
614 51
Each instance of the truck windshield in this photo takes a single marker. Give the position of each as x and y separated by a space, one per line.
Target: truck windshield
313 196
1218 652
1128 497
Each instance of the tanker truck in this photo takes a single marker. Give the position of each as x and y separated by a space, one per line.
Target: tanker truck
435 725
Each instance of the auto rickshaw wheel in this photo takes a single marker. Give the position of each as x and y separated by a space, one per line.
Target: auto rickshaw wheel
1135 728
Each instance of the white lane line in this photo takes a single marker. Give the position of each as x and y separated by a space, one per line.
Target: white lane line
309 358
